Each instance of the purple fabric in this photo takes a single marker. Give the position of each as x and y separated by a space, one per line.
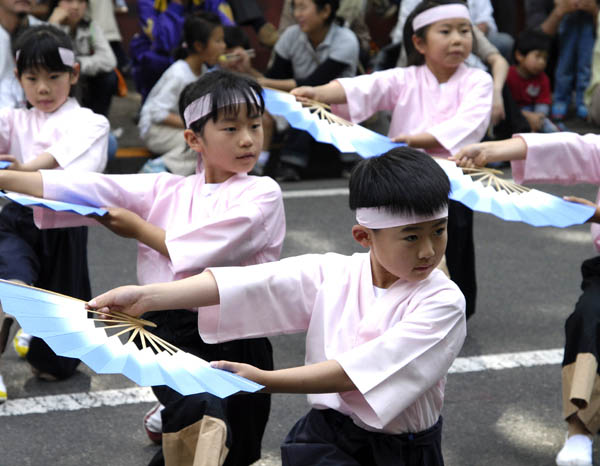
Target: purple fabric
150 58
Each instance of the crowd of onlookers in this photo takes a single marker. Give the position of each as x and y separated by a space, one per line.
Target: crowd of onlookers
539 53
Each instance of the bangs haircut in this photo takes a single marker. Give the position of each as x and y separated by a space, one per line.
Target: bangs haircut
38 48
532 39
402 181
225 89
414 57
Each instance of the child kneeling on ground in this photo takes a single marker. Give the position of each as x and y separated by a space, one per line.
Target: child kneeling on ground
383 327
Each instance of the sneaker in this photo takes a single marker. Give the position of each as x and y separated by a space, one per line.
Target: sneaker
559 111
154 166
3 396
21 343
582 112
577 451
153 423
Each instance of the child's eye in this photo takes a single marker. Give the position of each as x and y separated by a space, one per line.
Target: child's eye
411 238
256 125
439 231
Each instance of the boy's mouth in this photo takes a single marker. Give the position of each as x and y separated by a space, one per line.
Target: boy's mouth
246 156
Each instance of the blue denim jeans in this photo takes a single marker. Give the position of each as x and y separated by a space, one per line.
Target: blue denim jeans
548 126
573 69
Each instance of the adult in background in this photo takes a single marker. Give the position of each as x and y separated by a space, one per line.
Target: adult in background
314 51
15 16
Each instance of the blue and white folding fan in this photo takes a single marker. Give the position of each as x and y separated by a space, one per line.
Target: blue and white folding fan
57 206
63 323
479 189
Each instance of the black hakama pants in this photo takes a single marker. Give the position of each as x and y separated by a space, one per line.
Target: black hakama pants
329 438
245 415
460 252
53 259
580 368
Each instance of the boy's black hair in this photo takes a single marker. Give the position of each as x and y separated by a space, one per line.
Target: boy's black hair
532 39
197 27
38 48
224 88
320 4
236 37
414 58
403 180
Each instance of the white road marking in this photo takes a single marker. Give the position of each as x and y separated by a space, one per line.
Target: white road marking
496 362
302 193
117 397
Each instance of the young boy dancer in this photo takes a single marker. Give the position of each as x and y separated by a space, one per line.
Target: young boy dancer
383 327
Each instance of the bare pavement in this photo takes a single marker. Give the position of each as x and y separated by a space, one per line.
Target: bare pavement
503 397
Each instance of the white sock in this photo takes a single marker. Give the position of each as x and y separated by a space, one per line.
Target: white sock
577 451
154 422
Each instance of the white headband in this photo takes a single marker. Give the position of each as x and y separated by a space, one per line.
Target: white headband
376 218
67 56
201 107
439 13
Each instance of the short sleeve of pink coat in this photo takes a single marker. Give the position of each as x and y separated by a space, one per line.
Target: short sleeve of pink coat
562 158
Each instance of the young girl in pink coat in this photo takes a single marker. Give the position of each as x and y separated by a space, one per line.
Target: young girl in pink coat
438 104
55 133
564 158
219 216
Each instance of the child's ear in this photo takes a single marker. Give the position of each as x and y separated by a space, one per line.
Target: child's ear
194 141
198 47
518 56
75 73
362 235
419 44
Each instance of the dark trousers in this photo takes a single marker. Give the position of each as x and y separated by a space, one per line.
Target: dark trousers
54 259
582 327
97 91
246 415
329 438
460 252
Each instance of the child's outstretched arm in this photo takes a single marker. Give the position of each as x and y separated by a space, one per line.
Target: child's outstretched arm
128 224
196 291
479 155
330 93
41 162
24 182
323 377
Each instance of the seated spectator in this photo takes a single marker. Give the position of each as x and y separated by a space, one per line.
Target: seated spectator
312 52
528 83
352 12
161 126
14 18
161 22
98 80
